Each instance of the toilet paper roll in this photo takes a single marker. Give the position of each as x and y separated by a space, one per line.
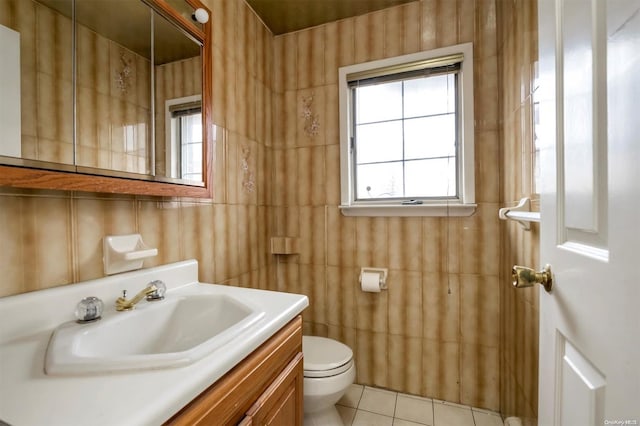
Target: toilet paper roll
370 282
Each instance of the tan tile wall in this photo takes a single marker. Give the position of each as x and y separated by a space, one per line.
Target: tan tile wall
54 238
517 52
435 332
113 123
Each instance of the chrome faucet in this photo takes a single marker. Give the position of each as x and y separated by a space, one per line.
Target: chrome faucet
153 291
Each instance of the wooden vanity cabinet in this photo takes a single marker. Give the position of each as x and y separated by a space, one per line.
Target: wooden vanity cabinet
280 403
263 389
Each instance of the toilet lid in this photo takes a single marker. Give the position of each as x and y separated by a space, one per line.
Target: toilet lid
326 355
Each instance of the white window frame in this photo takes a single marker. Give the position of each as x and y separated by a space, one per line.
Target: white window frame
173 158
464 205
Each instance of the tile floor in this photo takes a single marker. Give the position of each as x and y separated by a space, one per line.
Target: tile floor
366 406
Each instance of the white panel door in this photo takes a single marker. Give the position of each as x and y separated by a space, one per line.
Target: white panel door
589 103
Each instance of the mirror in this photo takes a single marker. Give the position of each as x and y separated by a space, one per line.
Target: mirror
178 103
37 94
128 104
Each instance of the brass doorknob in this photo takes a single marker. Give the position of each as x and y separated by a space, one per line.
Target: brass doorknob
522 276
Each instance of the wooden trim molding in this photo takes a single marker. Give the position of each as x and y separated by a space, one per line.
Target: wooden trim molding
19 177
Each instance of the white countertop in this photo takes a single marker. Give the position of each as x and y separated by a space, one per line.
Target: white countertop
30 397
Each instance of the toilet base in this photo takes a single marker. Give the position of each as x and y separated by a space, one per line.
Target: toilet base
327 417
321 393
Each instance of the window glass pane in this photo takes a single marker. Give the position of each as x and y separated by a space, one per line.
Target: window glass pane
431 178
429 95
379 102
191 143
192 125
192 161
405 139
379 142
383 180
430 136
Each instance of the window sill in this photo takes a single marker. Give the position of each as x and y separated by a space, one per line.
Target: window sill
444 210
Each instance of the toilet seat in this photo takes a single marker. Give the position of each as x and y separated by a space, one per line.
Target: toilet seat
328 373
325 357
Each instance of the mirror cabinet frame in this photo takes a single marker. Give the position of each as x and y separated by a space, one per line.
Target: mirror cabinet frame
35 178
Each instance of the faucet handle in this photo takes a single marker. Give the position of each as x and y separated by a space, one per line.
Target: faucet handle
89 309
159 292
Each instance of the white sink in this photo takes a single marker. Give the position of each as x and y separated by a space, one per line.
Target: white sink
171 333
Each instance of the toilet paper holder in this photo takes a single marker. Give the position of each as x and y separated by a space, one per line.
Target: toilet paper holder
382 272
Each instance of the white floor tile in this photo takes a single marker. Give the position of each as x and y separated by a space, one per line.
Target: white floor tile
346 414
414 409
351 397
450 415
400 422
365 418
378 407
486 419
378 401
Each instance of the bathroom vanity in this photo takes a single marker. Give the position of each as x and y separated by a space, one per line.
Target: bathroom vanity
138 368
264 389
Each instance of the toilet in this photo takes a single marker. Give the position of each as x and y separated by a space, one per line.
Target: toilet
328 371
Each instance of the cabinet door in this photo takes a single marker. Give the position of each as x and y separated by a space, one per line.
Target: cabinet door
228 401
281 403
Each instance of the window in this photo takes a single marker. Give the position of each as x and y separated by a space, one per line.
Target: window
184 138
189 127
407 135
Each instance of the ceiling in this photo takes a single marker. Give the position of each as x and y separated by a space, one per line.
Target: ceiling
283 16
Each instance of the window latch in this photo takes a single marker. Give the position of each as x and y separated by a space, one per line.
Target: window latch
411 202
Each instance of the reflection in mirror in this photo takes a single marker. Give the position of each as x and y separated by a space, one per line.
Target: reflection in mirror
131 107
178 106
10 100
113 88
183 138
42 35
